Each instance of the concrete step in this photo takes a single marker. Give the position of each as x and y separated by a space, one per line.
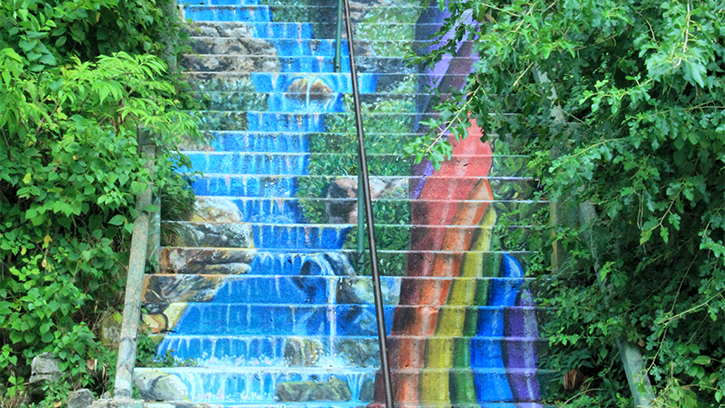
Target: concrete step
301 30
301 47
245 64
181 404
322 237
307 13
261 46
341 191
338 82
296 142
261 385
196 260
290 122
212 234
343 140
299 102
291 210
296 164
249 319
359 352
257 82
265 287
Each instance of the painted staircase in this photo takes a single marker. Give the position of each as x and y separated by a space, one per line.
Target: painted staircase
260 288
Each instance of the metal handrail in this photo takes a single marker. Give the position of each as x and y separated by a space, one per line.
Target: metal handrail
338 37
364 181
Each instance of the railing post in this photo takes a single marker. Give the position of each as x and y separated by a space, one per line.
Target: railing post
360 219
168 54
364 185
134 283
338 37
154 245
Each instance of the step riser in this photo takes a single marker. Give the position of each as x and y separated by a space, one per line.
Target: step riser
271 122
263 142
259 14
254 46
338 83
348 405
220 2
249 164
290 238
246 14
280 30
328 237
294 30
342 164
253 63
194 261
260 143
247 64
262 386
340 190
311 290
321 142
280 103
330 320
302 48
213 235
289 210
384 84
289 102
323 352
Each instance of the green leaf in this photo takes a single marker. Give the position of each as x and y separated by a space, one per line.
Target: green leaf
152 208
48 59
16 336
117 219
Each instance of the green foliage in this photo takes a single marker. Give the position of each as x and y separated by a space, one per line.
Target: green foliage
617 103
47 33
341 139
390 31
294 10
70 169
384 137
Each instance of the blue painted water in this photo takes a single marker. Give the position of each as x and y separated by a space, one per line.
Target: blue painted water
250 322
249 325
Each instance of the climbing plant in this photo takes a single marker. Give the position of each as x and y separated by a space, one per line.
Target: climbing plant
77 78
617 103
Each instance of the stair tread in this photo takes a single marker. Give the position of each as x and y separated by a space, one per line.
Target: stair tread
306 6
348 176
355 277
226 370
351 337
298 154
212 305
307 252
353 404
315 225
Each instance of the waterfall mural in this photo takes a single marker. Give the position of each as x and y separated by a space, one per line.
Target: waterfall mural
261 289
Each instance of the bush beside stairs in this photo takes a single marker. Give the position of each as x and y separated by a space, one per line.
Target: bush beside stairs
260 287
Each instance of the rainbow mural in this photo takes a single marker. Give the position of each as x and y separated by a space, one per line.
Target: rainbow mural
261 287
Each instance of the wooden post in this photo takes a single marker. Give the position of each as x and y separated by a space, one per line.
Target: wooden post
134 283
